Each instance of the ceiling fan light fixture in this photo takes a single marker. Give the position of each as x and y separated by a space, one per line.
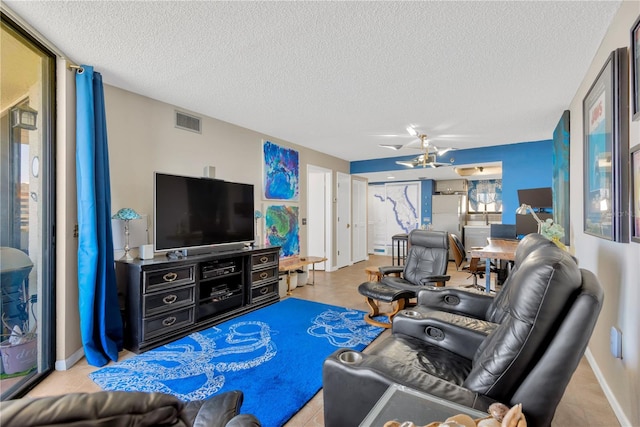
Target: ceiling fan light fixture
412 131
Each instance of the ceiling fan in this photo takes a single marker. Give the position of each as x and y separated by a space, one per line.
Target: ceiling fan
428 157
423 160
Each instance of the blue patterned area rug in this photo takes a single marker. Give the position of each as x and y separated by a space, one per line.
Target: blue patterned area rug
274 355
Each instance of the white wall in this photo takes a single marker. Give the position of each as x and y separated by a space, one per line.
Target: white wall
143 139
615 264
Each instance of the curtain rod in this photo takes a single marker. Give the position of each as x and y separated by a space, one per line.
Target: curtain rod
75 67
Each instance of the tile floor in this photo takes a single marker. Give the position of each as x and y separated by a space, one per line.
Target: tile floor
583 404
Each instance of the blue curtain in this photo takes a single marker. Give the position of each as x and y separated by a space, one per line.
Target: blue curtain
100 321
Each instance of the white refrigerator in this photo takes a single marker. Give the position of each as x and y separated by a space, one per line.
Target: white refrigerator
448 213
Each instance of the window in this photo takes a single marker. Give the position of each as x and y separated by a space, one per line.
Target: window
485 196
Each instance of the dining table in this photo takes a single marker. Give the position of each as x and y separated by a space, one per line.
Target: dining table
496 249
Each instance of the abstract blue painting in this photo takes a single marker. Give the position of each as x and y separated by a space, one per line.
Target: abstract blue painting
281 229
281 172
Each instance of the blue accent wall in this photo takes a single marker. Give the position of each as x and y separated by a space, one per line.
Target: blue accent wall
524 165
427 188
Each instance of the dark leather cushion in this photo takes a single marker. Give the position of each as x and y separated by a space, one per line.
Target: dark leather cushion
424 359
546 283
531 242
380 291
112 408
216 411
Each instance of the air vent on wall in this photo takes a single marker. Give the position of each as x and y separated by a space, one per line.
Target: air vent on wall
188 122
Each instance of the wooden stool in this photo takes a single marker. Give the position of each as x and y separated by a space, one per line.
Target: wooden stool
376 291
373 274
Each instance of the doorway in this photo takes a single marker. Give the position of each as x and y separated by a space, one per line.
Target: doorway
343 222
319 209
359 220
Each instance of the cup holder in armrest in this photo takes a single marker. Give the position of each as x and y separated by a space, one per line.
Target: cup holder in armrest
350 357
411 313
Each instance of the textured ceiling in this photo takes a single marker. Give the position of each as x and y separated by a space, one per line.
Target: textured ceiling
337 76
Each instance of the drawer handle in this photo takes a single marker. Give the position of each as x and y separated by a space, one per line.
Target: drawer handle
264 259
169 321
170 299
264 291
170 277
264 275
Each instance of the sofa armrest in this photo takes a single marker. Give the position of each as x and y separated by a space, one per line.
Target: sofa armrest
220 410
391 269
434 279
104 408
461 335
244 420
353 383
467 302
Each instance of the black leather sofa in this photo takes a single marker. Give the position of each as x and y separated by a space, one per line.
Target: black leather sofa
550 309
120 408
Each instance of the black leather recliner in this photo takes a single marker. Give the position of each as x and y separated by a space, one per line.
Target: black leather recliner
528 358
479 304
121 408
426 263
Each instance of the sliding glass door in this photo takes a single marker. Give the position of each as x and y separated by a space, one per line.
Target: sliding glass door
26 210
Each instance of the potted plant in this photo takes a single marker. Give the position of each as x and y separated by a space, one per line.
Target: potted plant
18 346
19 350
553 232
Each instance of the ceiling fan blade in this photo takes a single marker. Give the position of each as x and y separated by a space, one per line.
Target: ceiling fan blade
392 146
442 151
416 143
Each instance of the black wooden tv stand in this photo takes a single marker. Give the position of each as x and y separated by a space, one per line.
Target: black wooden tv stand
164 299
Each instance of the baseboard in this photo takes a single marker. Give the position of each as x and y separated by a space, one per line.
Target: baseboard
63 365
617 410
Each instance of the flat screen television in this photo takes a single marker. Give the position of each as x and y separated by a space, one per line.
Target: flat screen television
201 213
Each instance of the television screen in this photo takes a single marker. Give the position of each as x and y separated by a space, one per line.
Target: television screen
196 212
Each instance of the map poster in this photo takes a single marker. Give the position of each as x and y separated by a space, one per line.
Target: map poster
394 209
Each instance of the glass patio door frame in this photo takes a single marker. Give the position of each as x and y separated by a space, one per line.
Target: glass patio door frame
44 195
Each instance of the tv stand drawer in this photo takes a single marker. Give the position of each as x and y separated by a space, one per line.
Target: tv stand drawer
161 279
170 300
163 324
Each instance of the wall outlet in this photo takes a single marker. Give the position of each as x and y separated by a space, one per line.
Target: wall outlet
616 342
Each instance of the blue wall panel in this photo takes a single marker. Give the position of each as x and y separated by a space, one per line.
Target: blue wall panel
426 192
524 165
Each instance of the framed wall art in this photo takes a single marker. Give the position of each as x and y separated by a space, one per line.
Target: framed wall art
635 193
635 69
282 229
560 177
281 172
606 151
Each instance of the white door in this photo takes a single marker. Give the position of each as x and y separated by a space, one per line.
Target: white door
319 214
343 220
359 220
